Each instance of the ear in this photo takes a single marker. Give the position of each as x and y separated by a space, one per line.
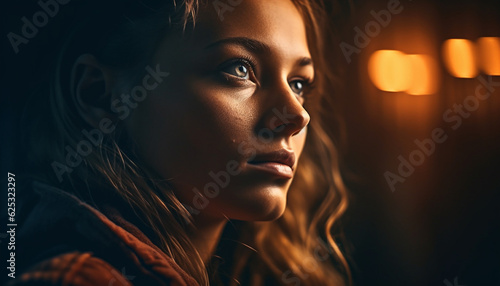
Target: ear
91 85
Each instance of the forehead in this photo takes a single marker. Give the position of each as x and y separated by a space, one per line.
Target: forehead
276 23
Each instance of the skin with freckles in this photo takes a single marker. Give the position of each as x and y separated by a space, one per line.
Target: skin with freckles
223 103
169 116
235 92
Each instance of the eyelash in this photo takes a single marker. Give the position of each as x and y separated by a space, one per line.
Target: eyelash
308 83
245 61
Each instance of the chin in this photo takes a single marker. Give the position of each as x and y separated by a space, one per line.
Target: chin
267 205
265 215
273 215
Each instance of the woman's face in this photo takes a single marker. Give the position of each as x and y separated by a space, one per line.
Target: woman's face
227 126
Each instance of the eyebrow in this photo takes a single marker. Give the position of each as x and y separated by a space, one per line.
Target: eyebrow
253 46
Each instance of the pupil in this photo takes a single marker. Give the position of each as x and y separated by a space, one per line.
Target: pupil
298 85
242 70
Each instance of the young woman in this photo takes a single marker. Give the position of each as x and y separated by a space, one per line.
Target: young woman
181 143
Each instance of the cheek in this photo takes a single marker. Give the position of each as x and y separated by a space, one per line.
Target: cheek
189 134
151 127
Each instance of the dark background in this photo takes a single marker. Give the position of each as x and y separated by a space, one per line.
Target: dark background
441 226
443 222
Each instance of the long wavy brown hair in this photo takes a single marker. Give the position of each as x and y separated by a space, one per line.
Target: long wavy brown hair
300 248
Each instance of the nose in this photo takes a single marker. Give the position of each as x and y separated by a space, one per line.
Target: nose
285 113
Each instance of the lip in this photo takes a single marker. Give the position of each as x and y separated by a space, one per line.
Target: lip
278 163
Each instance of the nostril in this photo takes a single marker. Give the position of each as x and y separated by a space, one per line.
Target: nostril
288 121
280 128
301 130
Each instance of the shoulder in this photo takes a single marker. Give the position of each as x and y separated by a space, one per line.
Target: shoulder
75 268
76 244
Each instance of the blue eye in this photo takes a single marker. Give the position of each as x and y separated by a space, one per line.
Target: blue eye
238 70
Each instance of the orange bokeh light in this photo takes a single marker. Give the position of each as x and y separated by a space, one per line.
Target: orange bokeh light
460 58
424 75
488 53
396 71
389 70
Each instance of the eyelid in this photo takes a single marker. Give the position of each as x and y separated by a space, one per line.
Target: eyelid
306 79
309 84
247 61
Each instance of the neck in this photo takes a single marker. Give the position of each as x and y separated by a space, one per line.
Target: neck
206 236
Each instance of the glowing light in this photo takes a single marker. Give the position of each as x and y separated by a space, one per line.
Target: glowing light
423 76
389 70
396 71
488 53
460 58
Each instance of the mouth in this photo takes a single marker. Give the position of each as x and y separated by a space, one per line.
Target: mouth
279 163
